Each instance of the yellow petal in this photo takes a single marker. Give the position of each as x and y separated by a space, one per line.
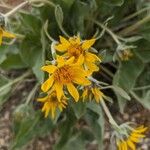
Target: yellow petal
119 145
49 68
80 60
64 41
131 145
91 66
88 43
47 84
73 91
125 145
84 94
61 47
91 57
140 130
74 40
137 135
81 81
134 139
59 90
61 61
42 99
8 35
70 61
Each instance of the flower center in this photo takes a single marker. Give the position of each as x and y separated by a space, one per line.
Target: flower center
63 75
75 50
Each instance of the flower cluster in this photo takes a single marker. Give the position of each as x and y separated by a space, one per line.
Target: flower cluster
71 69
134 136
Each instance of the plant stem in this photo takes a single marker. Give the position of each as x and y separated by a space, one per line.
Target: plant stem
111 120
97 82
135 26
43 1
135 96
135 14
141 88
107 71
31 94
14 10
108 31
15 80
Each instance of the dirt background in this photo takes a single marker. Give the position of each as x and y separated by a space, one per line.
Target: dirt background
133 112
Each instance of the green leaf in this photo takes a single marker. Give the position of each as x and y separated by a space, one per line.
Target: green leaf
142 50
27 125
121 92
96 121
114 2
59 15
13 61
32 55
4 95
66 126
126 77
79 109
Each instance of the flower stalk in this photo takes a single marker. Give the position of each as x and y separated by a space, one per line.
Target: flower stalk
107 112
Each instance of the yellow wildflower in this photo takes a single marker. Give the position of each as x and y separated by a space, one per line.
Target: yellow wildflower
51 103
6 34
90 92
77 48
65 73
134 137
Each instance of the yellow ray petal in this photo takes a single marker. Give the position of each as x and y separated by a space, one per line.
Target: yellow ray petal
81 81
70 61
125 145
119 145
42 99
8 35
91 57
91 66
47 84
131 145
140 130
88 43
61 47
80 60
59 90
64 41
134 139
49 68
73 91
0 40
137 135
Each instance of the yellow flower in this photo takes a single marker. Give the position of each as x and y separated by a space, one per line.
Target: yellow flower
51 103
90 92
125 55
77 48
6 34
132 139
65 73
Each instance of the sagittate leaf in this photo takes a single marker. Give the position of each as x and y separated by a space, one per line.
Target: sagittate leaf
126 77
